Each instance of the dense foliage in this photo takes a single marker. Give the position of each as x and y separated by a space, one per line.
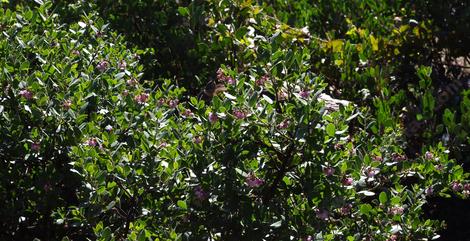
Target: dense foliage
212 120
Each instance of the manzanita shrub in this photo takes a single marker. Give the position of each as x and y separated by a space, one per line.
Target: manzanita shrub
91 151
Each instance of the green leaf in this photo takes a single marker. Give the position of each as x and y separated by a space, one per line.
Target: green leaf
330 129
182 204
365 209
183 11
383 198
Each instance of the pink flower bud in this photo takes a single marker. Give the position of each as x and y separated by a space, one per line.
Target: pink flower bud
142 98
125 93
377 158
102 65
187 113
132 82
346 209
197 139
304 94
239 114
428 156
329 171
396 210
75 52
67 104
109 128
35 146
371 172
200 194
284 124
213 117
398 157
322 214
429 191
281 95
173 103
253 181
456 186
347 181
338 146
26 94
122 65
91 142
163 145
261 81
220 75
393 237
230 80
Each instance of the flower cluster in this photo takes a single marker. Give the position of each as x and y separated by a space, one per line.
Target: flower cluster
103 65
142 98
253 182
26 94
222 77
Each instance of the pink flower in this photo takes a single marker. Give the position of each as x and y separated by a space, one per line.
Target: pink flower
213 117
67 104
347 181
322 214
122 65
197 139
338 146
35 146
132 82
224 78
329 171
108 128
346 209
253 181
308 238
398 157
396 210
439 167
125 93
456 186
26 94
161 101
371 172
377 158
429 191
187 113
281 95
102 65
200 194
304 94
91 142
239 114
284 124
75 52
261 81
393 237
220 75
142 98
163 145
173 103
230 80
428 155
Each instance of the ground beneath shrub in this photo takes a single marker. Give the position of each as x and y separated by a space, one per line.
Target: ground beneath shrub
455 212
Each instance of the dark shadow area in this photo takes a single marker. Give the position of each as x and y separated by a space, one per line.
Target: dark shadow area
455 212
